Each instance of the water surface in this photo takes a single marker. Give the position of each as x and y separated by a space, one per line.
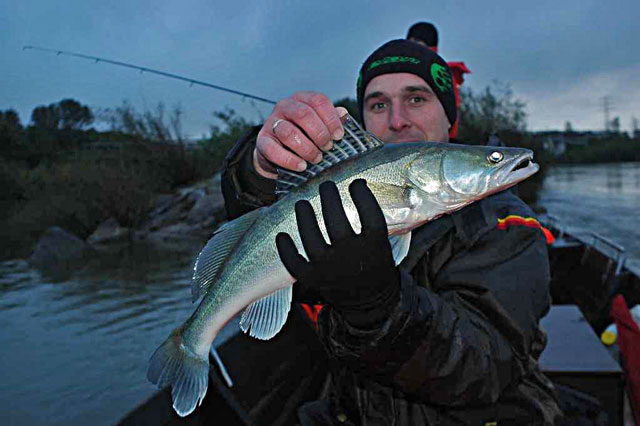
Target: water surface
603 198
75 351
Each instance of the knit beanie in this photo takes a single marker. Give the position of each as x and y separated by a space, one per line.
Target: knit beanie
399 56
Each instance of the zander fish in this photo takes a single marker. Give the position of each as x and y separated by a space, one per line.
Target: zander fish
239 267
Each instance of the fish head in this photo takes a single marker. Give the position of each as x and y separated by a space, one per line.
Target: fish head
453 175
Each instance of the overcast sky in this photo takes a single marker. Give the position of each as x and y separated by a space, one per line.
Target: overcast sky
560 57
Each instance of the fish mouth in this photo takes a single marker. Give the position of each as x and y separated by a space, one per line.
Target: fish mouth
520 170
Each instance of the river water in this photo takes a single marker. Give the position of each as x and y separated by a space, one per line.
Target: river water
75 349
602 198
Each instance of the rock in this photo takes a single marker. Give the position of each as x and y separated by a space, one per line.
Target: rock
162 203
216 194
206 208
185 230
209 204
59 249
192 213
109 231
175 212
198 206
195 195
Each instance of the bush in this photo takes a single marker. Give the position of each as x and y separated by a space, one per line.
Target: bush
493 110
77 196
614 148
223 138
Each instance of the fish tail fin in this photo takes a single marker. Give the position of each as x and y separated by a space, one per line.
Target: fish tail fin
174 364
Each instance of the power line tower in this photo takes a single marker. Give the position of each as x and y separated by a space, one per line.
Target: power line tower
606 106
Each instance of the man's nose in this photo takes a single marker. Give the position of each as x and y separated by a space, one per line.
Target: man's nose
398 120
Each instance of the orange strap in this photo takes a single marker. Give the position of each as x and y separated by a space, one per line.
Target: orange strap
529 222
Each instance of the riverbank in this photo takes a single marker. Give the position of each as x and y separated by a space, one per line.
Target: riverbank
83 180
187 217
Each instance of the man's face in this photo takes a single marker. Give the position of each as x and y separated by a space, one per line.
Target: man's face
401 107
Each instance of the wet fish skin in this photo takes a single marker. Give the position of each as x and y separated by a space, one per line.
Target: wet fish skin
413 183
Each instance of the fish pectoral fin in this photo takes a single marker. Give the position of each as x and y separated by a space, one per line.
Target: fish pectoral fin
400 246
216 251
264 318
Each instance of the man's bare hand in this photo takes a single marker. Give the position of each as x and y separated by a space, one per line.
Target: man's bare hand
298 130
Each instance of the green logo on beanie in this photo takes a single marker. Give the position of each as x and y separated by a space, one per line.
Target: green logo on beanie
441 77
392 60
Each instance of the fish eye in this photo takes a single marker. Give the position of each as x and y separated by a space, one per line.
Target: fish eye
495 157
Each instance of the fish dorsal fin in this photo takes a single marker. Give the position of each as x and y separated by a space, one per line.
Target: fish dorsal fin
216 251
264 318
356 141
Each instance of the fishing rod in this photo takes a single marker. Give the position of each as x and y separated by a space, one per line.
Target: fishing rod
191 81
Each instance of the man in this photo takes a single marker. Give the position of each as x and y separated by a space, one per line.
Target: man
426 34
451 335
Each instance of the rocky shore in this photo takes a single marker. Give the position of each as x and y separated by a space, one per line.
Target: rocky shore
186 217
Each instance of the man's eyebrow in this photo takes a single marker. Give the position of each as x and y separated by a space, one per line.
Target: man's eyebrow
420 88
372 95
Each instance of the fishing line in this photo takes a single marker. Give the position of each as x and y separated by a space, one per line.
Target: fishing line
191 81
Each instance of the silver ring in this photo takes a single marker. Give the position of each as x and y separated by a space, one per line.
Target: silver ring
275 124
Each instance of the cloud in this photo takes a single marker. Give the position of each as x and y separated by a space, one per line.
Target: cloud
581 101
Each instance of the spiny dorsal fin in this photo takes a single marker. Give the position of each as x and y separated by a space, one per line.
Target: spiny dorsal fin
356 141
215 252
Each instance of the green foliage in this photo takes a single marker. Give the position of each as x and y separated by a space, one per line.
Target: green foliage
493 110
150 126
68 114
76 179
11 133
161 132
77 195
615 148
223 138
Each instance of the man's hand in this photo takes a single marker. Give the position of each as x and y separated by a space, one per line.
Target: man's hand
356 273
298 129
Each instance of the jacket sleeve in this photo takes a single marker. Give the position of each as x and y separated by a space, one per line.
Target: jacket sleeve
467 336
243 188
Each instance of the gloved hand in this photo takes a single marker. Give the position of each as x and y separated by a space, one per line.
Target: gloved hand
356 273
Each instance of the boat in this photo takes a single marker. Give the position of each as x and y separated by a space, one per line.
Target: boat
588 269
263 383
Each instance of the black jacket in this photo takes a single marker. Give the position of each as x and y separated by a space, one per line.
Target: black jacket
462 344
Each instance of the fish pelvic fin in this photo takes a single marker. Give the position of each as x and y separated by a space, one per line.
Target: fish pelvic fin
356 141
216 252
174 364
400 246
264 318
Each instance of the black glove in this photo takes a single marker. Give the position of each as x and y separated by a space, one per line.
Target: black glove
356 273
